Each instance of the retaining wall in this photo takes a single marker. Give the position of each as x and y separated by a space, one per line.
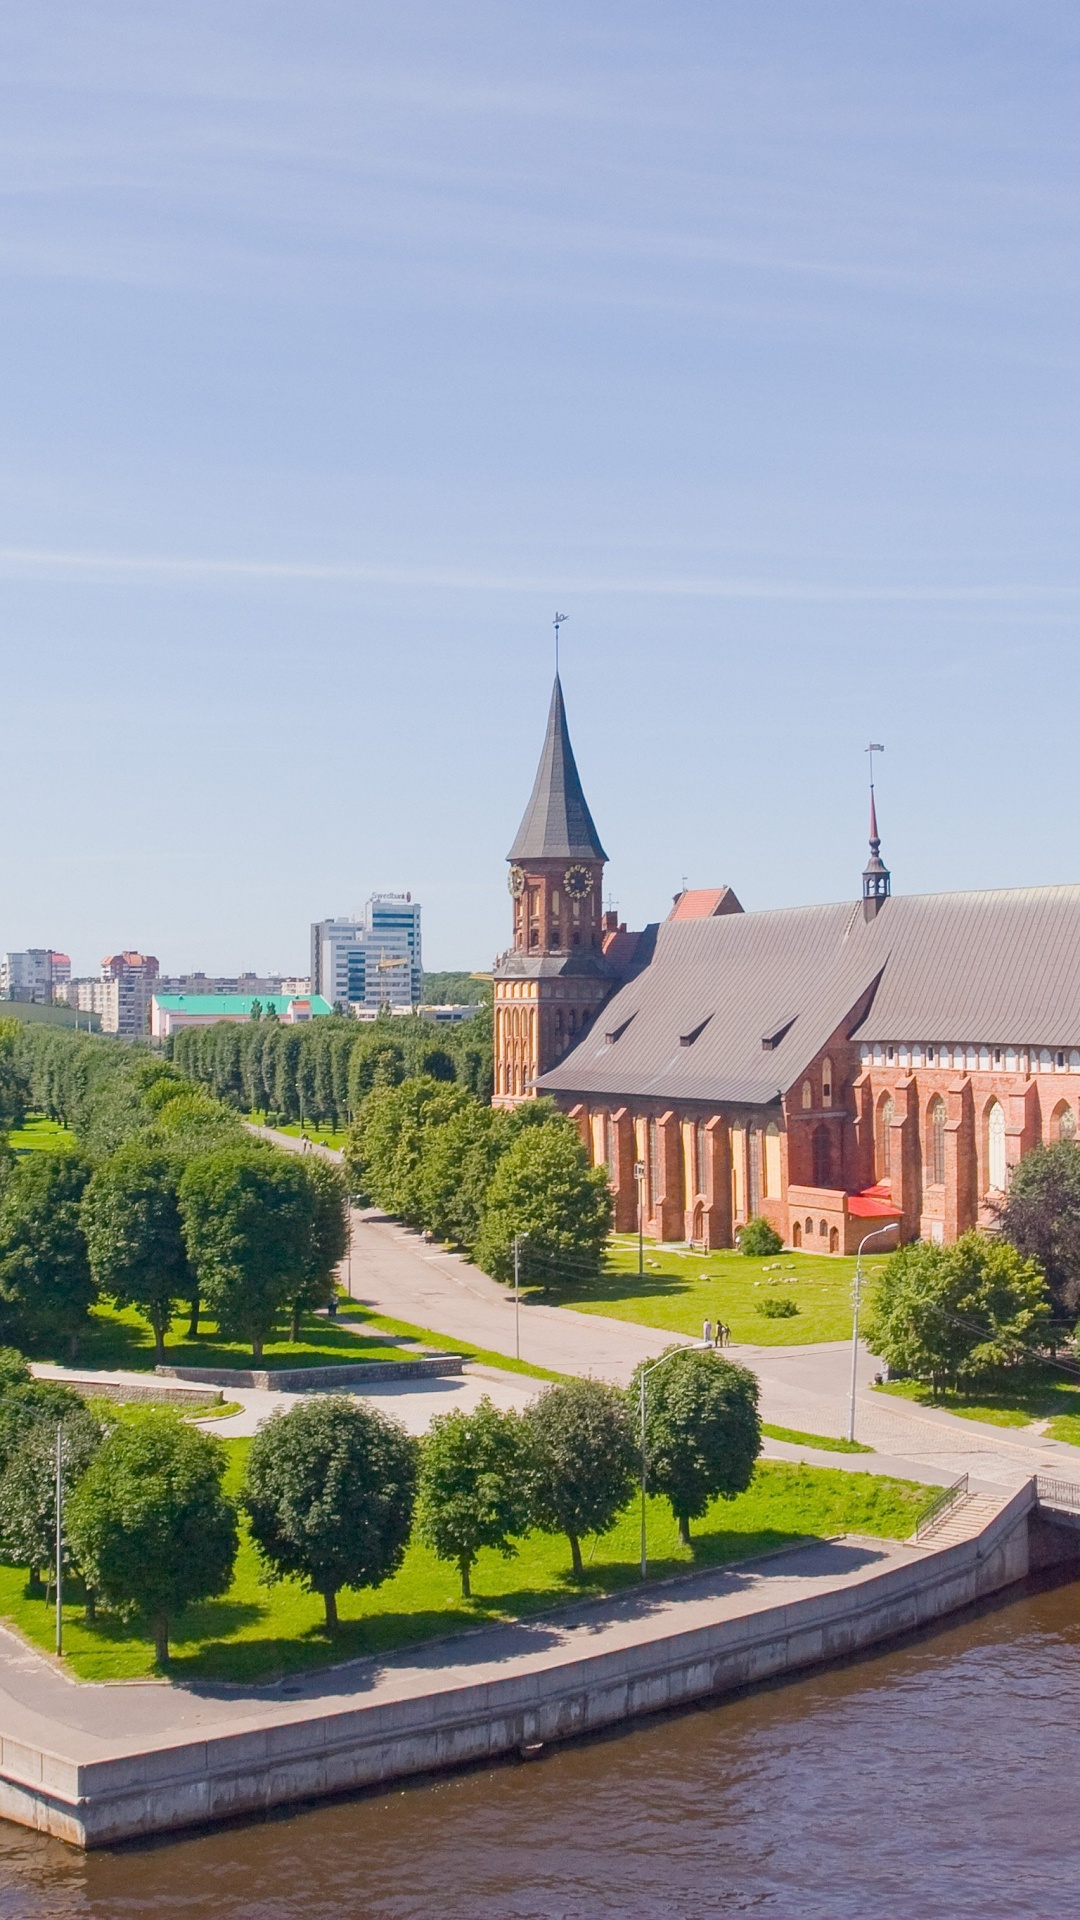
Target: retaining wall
190 1782
301 1379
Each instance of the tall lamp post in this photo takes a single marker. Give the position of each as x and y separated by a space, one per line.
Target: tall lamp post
878 1231
518 1238
698 1346
639 1176
59 1497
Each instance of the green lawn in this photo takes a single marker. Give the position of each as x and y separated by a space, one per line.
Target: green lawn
1036 1393
325 1136
795 1437
119 1337
256 1631
680 1290
38 1135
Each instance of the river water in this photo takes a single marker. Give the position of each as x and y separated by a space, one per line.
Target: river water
936 1779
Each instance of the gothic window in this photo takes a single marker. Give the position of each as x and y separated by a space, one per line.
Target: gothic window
1066 1124
807 1094
809 1226
822 1157
995 1147
936 1155
755 1170
885 1120
609 1142
771 1169
826 1083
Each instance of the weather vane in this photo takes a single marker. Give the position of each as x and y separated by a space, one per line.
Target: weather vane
557 623
874 747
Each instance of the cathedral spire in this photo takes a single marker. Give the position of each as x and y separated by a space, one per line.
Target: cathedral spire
557 824
876 880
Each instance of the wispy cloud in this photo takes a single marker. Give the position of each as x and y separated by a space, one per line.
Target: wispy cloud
39 563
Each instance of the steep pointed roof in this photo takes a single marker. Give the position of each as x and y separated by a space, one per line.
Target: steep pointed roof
557 824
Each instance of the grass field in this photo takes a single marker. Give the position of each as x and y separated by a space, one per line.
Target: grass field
1036 1394
256 1631
325 1136
38 1135
680 1290
119 1337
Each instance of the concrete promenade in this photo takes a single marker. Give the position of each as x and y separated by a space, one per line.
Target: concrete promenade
95 1764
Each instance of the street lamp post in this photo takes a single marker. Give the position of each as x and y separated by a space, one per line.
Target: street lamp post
518 1238
639 1176
878 1231
59 1539
696 1347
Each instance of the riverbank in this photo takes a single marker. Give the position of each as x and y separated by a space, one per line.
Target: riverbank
73 1764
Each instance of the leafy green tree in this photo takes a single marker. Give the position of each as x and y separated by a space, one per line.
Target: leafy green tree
456 1168
28 1484
329 1494
46 1286
14 1086
544 1187
25 1402
583 1460
960 1313
758 1238
1041 1219
702 1433
473 1486
390 1140
325 1240
149 1525
131 1219
246 1214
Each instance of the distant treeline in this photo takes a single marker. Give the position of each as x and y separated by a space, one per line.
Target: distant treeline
455 990
323 1071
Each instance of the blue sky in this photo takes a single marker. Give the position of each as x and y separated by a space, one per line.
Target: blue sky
343 343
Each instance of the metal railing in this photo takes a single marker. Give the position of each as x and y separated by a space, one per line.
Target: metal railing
1051 1492
939 1505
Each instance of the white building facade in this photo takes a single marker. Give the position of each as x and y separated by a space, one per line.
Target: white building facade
371 962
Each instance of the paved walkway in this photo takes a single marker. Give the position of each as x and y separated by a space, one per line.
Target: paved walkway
42 1708
806 1388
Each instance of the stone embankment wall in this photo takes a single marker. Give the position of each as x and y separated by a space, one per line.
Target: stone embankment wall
189 1782
307 1379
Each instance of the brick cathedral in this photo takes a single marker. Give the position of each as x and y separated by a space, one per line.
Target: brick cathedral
881 1061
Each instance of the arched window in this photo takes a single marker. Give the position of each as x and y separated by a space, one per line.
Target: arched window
609 1142
826 1083
809 1226
936 1143
822 1157
807 1094
823 1228
995 1147
771 1169
885 1120
1066 1129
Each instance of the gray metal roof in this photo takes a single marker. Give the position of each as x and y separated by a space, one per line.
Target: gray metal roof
993 968
557 824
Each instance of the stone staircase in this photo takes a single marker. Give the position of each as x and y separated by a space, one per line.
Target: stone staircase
966 1517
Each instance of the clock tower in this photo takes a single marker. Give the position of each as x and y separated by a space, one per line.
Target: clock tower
553 980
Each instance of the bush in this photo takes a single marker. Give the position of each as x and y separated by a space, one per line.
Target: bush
777 1306
757 1238
958 1314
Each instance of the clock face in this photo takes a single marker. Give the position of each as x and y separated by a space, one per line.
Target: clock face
578 881
515 880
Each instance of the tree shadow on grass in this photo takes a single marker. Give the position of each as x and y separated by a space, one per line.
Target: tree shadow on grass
611 1285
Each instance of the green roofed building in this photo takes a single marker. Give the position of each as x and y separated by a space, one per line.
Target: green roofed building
171 1012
